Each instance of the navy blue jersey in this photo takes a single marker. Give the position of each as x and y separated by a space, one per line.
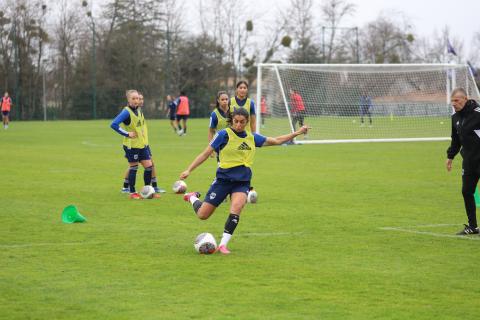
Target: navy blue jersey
240 173
365 102
172 106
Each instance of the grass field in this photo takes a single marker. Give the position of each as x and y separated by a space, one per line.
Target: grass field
325 128
349 231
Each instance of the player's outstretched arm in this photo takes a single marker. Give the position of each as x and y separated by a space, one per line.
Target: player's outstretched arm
287 137
197 162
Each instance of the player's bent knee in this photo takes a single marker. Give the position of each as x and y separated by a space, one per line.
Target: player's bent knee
205 211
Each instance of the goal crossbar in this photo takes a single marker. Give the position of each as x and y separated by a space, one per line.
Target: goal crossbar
349 103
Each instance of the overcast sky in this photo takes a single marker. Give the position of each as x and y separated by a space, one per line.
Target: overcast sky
427 16
462 16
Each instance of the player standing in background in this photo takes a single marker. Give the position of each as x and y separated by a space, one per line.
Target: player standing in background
466 140
6 105
241 100
219 116
183 111
172 113
297 108
263 110
135 140
126 188
235 147
365 108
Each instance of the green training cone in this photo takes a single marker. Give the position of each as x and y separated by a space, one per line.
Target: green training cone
70 215
477 198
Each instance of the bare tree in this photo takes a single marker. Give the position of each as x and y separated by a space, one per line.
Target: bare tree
387 41
6 46
300 26
475 48
67 31
229 26
333 12
433 49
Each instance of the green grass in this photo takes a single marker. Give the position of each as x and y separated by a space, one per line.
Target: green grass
324 127
311 248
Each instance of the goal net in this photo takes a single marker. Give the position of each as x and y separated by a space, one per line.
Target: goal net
360 103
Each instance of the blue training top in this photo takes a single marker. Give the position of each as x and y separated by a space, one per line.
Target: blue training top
240 173
124 117
365 101
172 106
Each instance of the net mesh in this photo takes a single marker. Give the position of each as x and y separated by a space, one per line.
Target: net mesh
352 102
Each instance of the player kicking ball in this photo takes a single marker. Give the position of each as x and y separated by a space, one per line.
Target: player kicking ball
235 147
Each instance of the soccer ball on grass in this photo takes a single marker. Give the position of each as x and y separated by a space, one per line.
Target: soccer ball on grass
205 243
147 192
252 196
179 186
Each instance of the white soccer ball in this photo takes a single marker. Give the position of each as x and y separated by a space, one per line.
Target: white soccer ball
147 192
179 186
252 196
205 243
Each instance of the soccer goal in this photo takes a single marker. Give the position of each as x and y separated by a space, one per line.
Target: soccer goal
360 102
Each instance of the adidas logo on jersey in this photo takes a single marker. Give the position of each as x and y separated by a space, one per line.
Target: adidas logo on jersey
244 146
477 109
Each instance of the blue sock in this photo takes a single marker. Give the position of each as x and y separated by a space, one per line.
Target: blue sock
147 176
132 177
154 182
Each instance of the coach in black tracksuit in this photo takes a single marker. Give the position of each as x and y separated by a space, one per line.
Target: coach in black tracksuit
466 139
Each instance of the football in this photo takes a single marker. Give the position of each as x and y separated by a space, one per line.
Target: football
252 196
205 243
179 186
147 192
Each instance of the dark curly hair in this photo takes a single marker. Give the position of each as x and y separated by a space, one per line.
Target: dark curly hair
237 112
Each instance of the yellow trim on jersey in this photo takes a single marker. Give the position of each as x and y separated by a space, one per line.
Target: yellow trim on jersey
238 151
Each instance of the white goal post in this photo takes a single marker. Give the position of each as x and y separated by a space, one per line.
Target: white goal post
360 102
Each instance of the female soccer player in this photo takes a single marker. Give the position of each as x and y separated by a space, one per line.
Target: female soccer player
218 117
183 111
6 103
241 100
235 147
135 141
172 113
126 187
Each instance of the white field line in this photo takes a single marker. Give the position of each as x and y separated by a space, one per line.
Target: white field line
164 146
432 225
269 234
53 244
46 244
91 144
433 234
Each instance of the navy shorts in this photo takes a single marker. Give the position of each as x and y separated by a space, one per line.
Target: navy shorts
172 116
5 113
182 116
136 154
220 189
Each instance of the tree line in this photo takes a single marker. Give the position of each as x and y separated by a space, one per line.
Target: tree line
80 63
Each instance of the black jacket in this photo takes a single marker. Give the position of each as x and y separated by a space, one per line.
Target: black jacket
464 137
